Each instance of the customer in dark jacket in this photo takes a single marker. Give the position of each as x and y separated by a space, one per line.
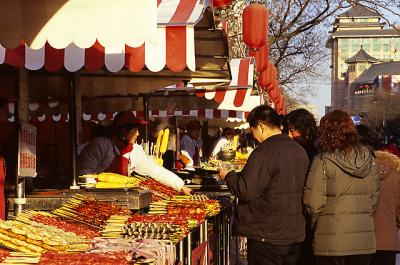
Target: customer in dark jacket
269 189
302 127
341 194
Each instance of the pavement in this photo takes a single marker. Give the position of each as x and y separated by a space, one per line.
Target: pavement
243 260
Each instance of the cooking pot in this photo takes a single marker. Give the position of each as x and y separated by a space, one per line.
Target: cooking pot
226 155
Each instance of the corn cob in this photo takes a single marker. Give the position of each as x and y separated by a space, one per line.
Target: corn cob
115 178
235 142
158 143
113 185
164 142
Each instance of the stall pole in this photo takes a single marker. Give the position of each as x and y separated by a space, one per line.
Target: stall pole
202 233
206 239
78 108
146 99
178 140
224 240
220 234
73 127
228 235
189 249
181 251
23 116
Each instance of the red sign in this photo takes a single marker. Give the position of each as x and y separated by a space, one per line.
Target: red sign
27 150
199 253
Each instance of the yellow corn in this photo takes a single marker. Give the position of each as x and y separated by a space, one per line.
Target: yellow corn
111 185
164 143
235 142
115 178
158 143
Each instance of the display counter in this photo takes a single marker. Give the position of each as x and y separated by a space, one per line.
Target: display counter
50 199
105 215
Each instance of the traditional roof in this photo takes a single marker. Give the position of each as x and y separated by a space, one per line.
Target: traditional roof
362 56
369 75
359 11
366 33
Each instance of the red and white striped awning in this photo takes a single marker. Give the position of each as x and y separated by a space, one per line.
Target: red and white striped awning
238 95
229 115
172 45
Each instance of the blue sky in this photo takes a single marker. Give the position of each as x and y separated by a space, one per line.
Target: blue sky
322 90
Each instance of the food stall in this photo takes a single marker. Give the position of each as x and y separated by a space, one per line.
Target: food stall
179 42
76 72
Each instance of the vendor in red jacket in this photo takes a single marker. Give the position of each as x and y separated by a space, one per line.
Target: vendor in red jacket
270 189
120 154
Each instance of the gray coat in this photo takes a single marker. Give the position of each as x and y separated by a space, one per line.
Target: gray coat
341 196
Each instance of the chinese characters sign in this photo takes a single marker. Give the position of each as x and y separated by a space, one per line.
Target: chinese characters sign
27 151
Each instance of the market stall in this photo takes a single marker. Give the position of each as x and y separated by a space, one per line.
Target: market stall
179 42
107 65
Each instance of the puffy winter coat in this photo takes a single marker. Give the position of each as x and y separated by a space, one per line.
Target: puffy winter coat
270 190
387 220
341 196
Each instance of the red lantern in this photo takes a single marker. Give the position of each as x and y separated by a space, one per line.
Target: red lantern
261 55
283 104
255 25
275 93
267 77
277 104
280 101
263 79
221 3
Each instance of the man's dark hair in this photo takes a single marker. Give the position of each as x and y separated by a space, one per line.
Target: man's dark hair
303 121
228 131
264 114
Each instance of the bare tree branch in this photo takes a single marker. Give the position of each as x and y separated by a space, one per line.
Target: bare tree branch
298 31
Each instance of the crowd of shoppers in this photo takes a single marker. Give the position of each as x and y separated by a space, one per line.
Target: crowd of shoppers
316 195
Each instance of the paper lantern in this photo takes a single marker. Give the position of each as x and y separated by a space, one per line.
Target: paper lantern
283 104
255 25
267 77
261 55
275 93
280 101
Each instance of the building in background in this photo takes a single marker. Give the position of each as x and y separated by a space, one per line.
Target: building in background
376 94
358 41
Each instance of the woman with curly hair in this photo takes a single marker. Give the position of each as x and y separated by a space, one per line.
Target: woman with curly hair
302 128
341 194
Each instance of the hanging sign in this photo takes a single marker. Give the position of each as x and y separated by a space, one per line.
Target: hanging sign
27 150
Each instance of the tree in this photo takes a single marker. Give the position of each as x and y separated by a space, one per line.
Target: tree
297 35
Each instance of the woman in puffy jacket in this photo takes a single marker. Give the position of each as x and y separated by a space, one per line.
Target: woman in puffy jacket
387 220
341 194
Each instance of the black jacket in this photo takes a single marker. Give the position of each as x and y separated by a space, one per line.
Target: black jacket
269 190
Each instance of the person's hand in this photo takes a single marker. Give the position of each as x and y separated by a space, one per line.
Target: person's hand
186 190
223 172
